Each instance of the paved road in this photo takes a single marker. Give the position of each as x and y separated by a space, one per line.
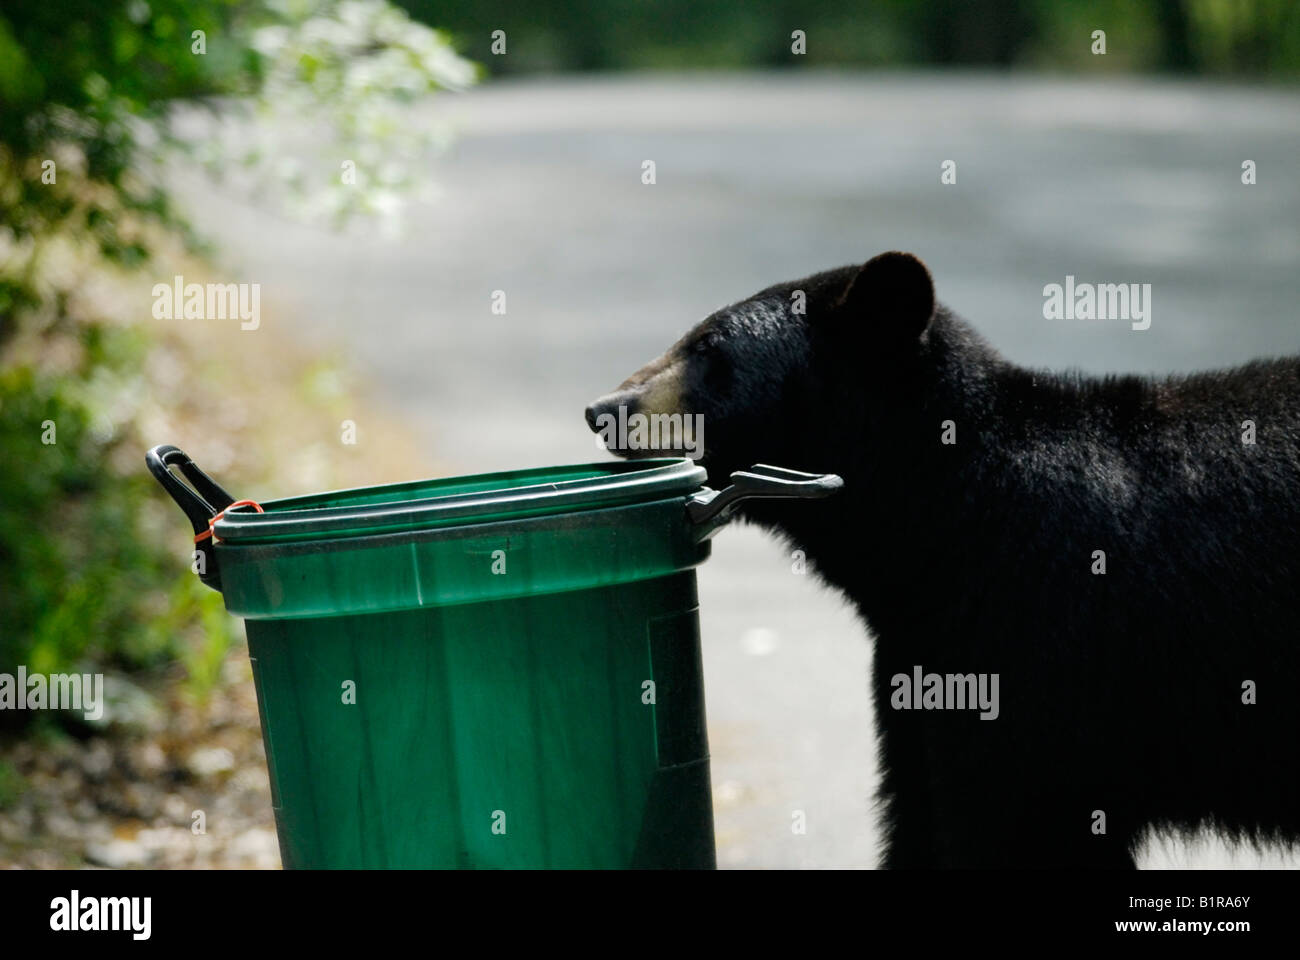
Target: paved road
769 177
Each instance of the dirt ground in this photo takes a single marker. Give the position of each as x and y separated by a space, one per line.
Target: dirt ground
170 784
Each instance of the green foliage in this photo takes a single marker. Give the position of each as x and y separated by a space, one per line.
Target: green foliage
90 91
1233 37
352 70
203 663
11 785
93 85
79 82
76 566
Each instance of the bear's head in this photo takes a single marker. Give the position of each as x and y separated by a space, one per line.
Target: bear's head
790 376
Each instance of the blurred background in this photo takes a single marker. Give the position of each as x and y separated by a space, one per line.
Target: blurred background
383 171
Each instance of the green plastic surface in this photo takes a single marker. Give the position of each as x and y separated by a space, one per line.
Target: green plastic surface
488 672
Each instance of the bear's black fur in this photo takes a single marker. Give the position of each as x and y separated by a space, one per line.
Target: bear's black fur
1120 692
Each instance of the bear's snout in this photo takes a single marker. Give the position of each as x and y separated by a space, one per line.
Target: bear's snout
608 406
644 416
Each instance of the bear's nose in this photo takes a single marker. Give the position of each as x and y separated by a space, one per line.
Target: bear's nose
609 405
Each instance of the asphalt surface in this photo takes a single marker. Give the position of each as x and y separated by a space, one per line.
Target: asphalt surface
763 178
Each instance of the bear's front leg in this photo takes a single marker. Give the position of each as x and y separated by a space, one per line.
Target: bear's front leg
903 800
906 835
956 794
1023 831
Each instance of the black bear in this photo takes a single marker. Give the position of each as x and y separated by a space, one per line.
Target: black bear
1084 591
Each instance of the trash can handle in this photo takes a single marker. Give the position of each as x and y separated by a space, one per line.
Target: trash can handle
200 507
708 509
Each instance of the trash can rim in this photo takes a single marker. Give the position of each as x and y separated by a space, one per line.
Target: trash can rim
461 500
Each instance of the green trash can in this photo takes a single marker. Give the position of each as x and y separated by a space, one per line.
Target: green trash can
489 671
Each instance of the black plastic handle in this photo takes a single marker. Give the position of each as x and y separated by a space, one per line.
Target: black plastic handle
708 509
200 507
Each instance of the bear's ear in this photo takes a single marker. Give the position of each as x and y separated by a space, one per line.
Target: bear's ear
892 292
